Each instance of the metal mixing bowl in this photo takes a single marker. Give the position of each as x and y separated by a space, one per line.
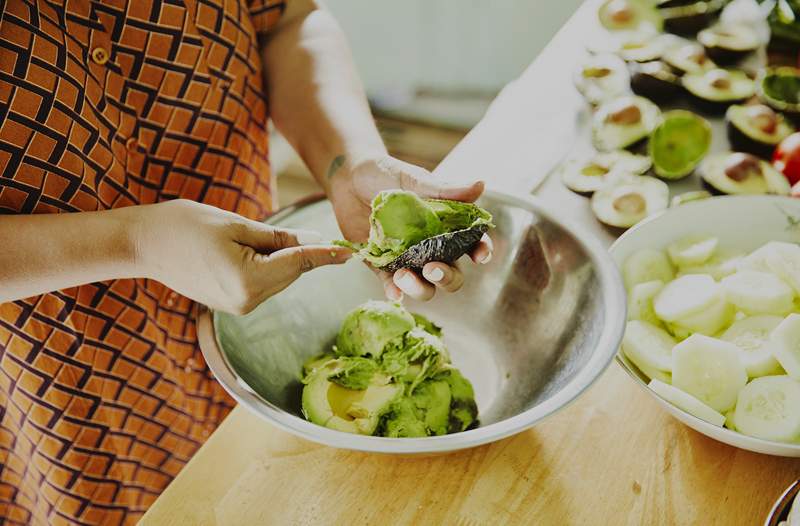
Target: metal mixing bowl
531 330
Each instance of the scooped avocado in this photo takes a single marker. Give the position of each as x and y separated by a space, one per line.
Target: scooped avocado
690 18
369 328
623 122
407 388
742 174
679 143
656 81
602 77
756 129
688 58
408 232
585 176
716 89
627 199
780 88
617 15
728 43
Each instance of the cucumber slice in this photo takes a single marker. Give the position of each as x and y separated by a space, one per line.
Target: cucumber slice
677 332
687 402
647 265
708 369
769 408
785 340
692 250
717 267
755 292
751 336
783 260
730 422
640 302
648 346
759 258
709 321
686 296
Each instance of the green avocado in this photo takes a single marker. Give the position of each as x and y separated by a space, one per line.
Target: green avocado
679 143
427 324
780 88
426 412
737 173
463 409
367 329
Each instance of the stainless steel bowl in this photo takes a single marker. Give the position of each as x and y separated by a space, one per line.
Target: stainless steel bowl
531 330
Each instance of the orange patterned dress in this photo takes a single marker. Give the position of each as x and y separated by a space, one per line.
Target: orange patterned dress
104 394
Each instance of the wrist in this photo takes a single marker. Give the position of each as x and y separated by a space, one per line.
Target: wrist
135 243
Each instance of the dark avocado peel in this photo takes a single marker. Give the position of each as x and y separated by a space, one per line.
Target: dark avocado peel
689 18
407 231
656 81
389 375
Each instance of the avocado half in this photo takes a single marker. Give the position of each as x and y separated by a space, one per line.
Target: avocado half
587 175
780 89
643 46
656 81
688 58
688 19
756 129
679 143
736 173
601 77
407 231
627 199
728 43
626 15
714 90
623 122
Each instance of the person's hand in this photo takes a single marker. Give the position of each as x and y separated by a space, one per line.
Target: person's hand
352 191
221 259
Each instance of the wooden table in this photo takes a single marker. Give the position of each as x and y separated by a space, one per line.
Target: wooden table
611 458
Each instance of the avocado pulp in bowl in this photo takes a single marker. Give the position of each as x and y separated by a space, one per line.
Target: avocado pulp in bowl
407 231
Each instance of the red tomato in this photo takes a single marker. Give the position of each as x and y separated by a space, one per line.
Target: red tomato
786 158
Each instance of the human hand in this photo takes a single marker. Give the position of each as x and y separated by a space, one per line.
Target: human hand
221 259
352 191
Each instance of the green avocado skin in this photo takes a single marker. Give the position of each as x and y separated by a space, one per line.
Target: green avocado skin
382 344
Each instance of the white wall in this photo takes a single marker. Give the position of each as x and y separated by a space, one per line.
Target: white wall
447 44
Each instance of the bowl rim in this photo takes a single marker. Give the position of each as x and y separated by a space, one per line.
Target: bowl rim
612 294
787 497
758 445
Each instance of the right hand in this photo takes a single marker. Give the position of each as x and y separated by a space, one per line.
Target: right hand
224 260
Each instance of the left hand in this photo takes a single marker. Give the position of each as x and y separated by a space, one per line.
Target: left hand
354 187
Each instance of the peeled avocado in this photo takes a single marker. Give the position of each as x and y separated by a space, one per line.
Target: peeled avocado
366 330
679 143
742 174
623 122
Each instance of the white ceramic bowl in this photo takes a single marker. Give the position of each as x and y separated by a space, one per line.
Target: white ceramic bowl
742 223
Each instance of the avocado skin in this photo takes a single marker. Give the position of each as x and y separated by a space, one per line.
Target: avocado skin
445 248
726 57
689 18
712 107
740 142
656 89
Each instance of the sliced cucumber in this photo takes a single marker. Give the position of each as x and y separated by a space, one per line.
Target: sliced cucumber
769 408
709 321
686 296
751 336
785 340
648 346
755 292
730 421
677 332
640 302
694 250
784 261
708 369
717 267
647 265
687 402
759 258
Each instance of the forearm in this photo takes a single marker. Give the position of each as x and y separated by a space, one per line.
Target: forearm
46 252
316 97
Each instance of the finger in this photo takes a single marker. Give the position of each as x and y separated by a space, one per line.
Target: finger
391 290
412 285
288 264
482 253
265 238
424 184
445 277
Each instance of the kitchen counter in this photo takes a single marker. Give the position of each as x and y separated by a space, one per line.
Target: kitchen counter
614 457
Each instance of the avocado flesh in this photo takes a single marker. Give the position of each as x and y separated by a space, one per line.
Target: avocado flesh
688 58
586 176
766 181
602 77
401 220
407 388
747 134
679 143
627 199
701 85
780 88
608 135
367 329
622 15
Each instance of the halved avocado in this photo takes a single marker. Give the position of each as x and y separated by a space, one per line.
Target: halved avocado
688 197
688 19
679 143
756 129
627 199
728 43
688 58
622 15
601 78
586 175
780 88
716 89
742 174
330 405
644 46
656 81
623 122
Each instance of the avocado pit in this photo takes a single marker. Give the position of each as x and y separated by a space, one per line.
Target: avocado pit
630 202
625 115
741 166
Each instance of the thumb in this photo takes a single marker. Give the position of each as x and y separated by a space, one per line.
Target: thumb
422 183
265 238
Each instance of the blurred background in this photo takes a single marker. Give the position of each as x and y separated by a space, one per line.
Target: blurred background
431 68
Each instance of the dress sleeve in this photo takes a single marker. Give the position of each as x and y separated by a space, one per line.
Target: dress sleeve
265 14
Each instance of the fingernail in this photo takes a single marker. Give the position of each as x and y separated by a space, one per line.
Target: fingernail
487 258
307 237
406 282
435 275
